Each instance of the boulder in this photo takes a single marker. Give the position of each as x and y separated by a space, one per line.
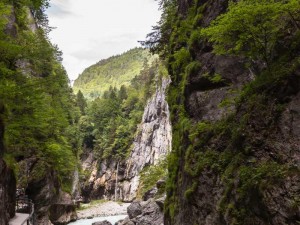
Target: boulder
150 194
61 214
105 222
160 202
134 209
126 221
145 213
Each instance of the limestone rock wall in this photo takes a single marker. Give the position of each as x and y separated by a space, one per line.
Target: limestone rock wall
152 143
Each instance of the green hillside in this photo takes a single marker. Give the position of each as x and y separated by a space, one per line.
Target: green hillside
114 71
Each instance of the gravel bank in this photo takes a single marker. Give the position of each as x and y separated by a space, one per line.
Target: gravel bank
103 209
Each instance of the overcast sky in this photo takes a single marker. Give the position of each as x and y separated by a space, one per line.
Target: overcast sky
90 30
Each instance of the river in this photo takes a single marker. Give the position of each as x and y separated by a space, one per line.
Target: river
111 219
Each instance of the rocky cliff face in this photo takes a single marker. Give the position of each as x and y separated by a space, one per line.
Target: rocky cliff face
231 163
52 205
7 182
152 143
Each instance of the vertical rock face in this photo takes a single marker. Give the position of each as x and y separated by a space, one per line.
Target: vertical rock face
52 205
7 182
7 193
243 168
151 144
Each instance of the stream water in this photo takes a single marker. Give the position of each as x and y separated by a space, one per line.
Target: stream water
111 219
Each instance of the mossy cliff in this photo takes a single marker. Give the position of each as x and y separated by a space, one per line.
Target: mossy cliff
7 181
235 113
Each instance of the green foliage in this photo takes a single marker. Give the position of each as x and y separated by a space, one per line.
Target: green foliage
40 106
150 175
252 28
188 194
117 113
115 71
81 102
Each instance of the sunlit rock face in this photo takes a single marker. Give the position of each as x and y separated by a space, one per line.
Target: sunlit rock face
151 144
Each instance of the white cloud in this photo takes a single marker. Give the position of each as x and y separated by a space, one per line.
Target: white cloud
90 30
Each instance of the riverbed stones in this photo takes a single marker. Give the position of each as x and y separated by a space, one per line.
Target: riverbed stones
105 222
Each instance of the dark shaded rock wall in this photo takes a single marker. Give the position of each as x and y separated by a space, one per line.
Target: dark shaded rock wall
7 181
52 205
7 193
238 163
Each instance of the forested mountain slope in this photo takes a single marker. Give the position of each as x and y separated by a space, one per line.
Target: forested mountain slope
115 71
234 101
124 131
40 109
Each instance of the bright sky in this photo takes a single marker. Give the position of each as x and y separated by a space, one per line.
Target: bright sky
90 30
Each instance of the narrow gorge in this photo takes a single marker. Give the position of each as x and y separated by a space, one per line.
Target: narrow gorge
119 180
199 126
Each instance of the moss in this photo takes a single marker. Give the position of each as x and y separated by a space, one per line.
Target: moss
39 170
182 57
189 193
11 162
149 177
192 68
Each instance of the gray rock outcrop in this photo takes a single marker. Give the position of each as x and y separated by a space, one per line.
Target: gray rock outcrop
144 213
151 144
63 211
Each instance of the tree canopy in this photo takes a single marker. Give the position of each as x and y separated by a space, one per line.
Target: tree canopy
253 28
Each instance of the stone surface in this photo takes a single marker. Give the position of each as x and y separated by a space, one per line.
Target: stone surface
7 193
7 181
105 222
63 210
134 209
109 208
144 213
126 221
150 193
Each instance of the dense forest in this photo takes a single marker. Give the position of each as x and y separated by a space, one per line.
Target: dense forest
115 71
234 67
40 108
109 123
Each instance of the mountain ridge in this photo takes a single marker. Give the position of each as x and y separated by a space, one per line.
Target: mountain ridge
114 71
